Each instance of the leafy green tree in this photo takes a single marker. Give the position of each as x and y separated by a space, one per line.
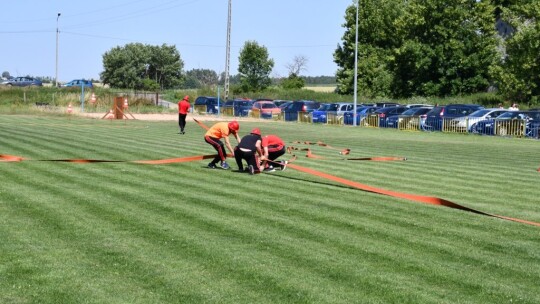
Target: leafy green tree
293 82
518 77
418 48
204 77
5 74
254 67
128 66
448 47
377 38
165 66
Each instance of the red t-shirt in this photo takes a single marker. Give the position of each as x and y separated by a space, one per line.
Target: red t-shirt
272 141
183 107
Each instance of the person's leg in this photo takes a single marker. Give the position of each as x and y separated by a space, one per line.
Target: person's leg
273 154
182 122
252 159
219 147
238 158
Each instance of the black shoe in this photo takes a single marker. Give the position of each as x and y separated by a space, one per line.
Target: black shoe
212 166
251 169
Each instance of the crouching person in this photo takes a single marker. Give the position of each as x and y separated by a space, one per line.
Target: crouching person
249 149
273 147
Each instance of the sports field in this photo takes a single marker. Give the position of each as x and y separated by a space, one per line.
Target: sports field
118 231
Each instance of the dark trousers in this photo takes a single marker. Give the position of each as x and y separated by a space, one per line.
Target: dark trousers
220 148
182 121
273 154
251 157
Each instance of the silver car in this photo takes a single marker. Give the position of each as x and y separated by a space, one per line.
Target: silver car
22 82
467 122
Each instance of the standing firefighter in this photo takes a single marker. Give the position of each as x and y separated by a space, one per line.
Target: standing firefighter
273 147
214 135
249 149
183 109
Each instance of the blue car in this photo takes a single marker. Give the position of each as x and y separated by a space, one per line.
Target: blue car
512 123
361 113
78 83
299 110
411 119
439 116
385 113
237 107
206 104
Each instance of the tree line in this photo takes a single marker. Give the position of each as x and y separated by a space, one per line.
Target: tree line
406 48
442 48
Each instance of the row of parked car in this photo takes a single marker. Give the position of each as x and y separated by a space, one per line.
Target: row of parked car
461 118
34 82
458 118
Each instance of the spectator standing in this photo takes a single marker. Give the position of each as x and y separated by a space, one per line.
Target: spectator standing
273 147
249 149
213 137
183 109
514 107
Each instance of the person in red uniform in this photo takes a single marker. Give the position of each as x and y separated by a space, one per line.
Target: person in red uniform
249 149
213 137
183 109
273 147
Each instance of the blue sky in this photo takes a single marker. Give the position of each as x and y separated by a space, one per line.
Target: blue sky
197 28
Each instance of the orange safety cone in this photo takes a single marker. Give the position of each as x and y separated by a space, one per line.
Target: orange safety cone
70 109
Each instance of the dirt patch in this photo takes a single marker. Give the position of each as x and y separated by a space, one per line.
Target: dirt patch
174 117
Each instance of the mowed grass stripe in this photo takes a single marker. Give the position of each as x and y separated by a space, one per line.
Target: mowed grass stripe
246 240
112 222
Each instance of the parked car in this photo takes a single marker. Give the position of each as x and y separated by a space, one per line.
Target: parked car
385 113
411 119
533 124
438 116
206 104
418 105
333 110
299 107
516 123
265 109
279 102
361 113
238 107
78 83
466 123
22 82
386 104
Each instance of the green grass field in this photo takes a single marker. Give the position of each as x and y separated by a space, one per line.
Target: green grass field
181 233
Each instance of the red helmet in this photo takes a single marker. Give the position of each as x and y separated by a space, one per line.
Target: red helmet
186 98
256 131
234 126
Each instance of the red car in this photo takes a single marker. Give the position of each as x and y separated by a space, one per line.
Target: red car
264 109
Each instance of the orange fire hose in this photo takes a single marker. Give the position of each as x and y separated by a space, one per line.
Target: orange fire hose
412 197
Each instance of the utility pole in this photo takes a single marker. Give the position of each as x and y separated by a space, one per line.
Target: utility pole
56 74
228 53
356 66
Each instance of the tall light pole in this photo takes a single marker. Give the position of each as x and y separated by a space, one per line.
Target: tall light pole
356 66
56 74
228 53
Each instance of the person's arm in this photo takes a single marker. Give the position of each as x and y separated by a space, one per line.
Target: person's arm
259 149
228 144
